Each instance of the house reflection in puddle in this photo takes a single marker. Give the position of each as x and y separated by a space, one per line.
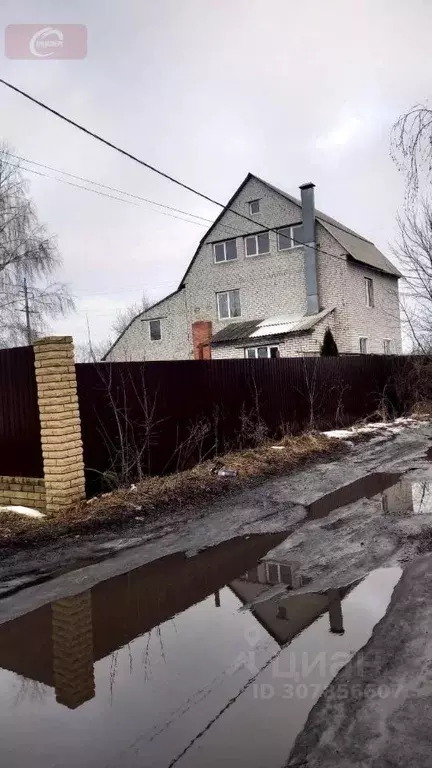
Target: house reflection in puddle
406 497
59 643
397 495
285 617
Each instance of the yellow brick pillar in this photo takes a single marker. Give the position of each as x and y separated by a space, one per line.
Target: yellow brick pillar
62 449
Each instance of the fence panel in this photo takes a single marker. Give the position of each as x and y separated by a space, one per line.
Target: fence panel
20 443
171 414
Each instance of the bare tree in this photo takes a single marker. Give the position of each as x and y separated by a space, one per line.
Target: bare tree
411 146
91 352
413 249
125 316
28 258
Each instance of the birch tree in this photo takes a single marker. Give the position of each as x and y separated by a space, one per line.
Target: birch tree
29 257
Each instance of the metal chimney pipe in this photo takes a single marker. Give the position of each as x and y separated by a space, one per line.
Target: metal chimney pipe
308 215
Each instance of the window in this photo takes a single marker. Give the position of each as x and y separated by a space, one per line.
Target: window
155 330
256 244
228 304
277 573
369 292
290 237
253 352
387 346
226 251
254 207
363 345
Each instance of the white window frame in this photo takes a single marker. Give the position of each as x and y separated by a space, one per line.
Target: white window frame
155 320
223 293
370 299
291 235
263 253
365 339
385 351
260 346
251 212
267 564
224 243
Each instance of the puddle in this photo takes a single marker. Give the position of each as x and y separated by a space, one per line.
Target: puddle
364 487
161 667
397 496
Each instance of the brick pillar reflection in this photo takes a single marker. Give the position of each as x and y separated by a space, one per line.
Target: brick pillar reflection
72 645
335 612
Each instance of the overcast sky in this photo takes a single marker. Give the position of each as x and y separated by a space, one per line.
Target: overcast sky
208 90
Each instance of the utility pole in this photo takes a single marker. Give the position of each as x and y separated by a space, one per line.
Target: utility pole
27 313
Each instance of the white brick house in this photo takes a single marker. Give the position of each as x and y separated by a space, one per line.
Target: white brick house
268 283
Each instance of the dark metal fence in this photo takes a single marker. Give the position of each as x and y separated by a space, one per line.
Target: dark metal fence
20 443
164 416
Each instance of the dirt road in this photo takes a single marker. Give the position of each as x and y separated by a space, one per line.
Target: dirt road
332 547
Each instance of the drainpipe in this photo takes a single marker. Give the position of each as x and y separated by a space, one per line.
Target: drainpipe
308 215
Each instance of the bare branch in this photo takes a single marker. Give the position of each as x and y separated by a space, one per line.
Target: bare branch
125 316
411 146
413 249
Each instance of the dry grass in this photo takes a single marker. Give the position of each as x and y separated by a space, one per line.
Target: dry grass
168 494
11 522
422 410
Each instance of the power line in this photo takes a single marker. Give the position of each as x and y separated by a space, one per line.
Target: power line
115 292
71 184
113 189
107 186
98 192
147 165
106 142
89 293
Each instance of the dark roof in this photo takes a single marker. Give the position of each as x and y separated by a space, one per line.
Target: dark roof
235 331
156 304
356 246
278 325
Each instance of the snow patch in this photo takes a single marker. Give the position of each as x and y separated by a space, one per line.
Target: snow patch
28 511
389 427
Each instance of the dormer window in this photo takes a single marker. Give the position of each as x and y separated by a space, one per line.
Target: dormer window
254 207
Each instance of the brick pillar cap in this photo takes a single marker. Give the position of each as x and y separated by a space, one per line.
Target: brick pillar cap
53 340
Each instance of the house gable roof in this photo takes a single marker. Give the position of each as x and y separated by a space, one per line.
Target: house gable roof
156 304
357 247
216 221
